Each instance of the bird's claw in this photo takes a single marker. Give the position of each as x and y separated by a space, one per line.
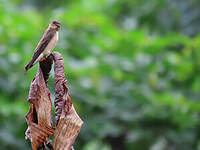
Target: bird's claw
42 59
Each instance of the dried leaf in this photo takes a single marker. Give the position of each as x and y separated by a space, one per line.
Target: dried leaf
60 84
39 97
39 117
35 132
67 129
68 121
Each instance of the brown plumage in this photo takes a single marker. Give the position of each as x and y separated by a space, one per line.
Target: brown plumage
46 44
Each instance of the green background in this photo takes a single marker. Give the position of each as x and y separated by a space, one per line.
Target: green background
133 70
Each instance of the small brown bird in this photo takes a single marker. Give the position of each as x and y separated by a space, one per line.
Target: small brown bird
46 44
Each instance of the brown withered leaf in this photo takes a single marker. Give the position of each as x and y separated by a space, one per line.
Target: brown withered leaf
68 127
67 120
35 132
59 84
39 97
39 117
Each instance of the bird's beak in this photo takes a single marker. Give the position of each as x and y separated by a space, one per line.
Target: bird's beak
58 25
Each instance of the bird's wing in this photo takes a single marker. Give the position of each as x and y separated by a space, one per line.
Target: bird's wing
48 35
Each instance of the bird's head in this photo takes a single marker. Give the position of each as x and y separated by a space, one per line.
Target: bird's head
55 25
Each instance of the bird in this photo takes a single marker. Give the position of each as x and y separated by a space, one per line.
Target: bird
45 45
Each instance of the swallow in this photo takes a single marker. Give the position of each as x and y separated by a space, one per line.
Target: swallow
45 45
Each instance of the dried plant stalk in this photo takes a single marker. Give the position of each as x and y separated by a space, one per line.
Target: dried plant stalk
39 117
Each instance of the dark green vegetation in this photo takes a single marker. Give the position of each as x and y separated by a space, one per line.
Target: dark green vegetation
133 69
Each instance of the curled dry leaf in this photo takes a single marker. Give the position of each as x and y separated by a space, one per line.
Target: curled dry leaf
40 126
67 129
39 118
68 121
59 84
35 133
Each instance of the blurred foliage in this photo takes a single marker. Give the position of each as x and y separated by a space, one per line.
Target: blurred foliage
132 66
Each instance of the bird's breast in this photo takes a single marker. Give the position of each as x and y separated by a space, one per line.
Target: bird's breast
51 45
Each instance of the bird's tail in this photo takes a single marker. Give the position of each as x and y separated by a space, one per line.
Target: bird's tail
33 61
30 64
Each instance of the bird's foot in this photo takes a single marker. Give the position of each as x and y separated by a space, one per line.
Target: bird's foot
42 59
